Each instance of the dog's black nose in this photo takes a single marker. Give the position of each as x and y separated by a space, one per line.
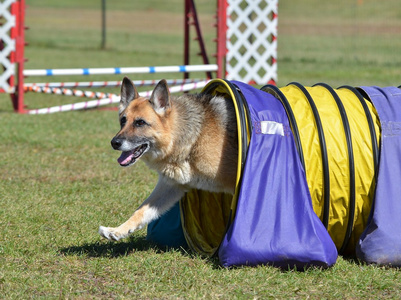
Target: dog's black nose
116 143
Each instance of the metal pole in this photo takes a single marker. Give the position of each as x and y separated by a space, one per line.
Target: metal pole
221 37
186 35
103 46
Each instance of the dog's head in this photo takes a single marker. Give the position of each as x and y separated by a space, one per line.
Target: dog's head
144 122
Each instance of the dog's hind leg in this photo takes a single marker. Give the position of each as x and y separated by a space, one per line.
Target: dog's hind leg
163 197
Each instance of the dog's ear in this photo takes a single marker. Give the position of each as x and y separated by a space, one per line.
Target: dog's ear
128 93
160 98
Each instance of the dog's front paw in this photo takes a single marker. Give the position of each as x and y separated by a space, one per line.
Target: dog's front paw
112 234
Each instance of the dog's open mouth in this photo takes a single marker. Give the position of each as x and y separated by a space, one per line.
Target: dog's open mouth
128 158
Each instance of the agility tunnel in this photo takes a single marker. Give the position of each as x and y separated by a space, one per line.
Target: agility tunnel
318 174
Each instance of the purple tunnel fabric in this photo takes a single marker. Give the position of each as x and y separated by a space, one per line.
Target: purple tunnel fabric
380 243
274 221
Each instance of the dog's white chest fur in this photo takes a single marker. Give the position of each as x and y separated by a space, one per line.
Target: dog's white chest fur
182 173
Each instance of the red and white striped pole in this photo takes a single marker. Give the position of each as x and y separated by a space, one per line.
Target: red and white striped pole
17 33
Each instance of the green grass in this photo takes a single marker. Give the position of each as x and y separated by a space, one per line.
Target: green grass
59 179
339 42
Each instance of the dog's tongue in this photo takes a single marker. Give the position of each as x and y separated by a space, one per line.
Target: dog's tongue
125 157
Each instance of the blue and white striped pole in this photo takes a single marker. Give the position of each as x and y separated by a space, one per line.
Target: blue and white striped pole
97 84
128 70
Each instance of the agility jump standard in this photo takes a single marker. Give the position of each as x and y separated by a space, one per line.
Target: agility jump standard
259 38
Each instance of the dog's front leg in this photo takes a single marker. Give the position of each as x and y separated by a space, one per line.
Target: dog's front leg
163 197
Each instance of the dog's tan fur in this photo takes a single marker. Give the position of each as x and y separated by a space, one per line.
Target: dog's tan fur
192 143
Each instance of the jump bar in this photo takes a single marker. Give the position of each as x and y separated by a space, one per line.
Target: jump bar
96 84
111 99
128 70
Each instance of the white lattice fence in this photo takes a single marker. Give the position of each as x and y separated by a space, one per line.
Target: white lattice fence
252 41
8 45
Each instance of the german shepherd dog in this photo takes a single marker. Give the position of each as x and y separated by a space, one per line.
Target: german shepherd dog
191 141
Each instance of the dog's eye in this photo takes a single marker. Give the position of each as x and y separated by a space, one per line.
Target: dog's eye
123 120
139 123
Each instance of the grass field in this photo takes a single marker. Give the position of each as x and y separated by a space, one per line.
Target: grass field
59 179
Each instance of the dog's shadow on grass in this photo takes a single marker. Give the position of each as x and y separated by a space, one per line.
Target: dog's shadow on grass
125 248
117 249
